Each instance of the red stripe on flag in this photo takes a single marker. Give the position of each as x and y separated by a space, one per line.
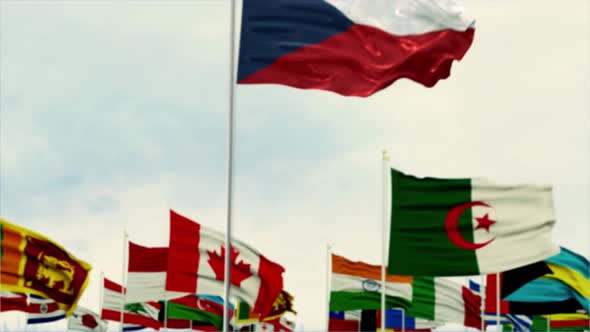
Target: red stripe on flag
17 303
173 323
365 59
154 304
342 325
196 302
145 259
110 285
183 254
271 284
581 323
491 295
130 318
37 308
472 303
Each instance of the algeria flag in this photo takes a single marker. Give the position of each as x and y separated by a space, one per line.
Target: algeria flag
444 227
196 265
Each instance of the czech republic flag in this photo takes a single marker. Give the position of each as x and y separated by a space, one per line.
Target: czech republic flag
351 47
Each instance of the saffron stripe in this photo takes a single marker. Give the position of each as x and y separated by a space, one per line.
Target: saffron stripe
342 265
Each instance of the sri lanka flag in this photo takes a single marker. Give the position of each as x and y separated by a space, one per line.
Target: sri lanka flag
351 47
34 264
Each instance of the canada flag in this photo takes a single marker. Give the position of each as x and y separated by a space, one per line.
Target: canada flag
196 265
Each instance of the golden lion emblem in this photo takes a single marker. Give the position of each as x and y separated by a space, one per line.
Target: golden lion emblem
56 274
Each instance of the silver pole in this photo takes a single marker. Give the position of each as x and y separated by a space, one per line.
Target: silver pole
165 315
123 281
403 321
498 326
328 290
482 293
385 187
100 294
230 155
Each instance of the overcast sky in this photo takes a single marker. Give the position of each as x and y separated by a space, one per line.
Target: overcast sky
114 112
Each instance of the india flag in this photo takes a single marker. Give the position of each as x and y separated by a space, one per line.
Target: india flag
357 285
467 226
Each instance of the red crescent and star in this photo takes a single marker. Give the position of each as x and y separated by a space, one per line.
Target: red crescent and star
452 222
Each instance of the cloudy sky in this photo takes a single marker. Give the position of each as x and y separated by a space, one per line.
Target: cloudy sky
114 112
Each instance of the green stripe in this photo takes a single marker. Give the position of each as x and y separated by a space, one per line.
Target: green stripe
423 298
539 324
243 311
419 244
344 301
179 311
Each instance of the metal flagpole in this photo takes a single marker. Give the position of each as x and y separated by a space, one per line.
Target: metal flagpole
403 321
467 285
498 326
328 275
100 294
385 187
165 315
1 268
548 323
482 293
27 314
123 281
0 272
230 153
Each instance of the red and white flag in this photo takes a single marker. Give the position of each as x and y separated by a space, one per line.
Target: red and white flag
13 301
146 278
86 320
144 314
196 265
279 324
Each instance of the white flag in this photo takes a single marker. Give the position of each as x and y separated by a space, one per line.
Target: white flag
85 320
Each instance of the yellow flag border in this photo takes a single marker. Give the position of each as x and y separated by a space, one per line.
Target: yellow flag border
19 289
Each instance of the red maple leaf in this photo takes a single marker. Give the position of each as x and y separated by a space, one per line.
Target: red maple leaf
240 271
